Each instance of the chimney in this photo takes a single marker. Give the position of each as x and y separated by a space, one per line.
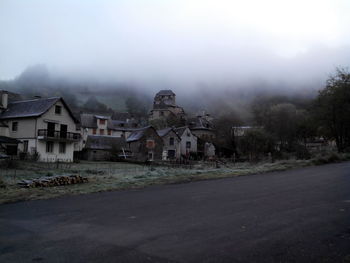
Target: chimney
4 99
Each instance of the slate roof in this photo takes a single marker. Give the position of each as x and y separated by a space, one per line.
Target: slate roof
5 139
98 142
102 117
28 108
137 134
31 108
165 131
180 130
88 120
122 116
199 123
165 92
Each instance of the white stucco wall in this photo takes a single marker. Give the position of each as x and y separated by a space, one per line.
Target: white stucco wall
187 136
63 118
28 131
26 128
176 146
55 155
4 131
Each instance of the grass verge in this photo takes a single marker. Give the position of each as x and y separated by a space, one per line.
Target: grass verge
121 176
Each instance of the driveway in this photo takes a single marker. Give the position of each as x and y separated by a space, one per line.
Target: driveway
301 215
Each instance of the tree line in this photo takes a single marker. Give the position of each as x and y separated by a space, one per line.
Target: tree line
282 125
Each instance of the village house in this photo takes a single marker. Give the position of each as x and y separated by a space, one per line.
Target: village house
202 126
92 124
46 127
104 148
188 143
145 144
164 107
171 144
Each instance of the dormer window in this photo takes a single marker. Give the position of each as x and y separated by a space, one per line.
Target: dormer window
58 109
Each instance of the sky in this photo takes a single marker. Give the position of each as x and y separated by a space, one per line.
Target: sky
185 43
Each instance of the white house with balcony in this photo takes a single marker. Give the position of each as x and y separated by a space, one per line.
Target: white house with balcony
45 126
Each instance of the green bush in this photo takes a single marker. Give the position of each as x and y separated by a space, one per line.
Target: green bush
332 158
2 183
302 153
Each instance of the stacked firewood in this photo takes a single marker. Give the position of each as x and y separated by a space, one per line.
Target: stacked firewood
53 181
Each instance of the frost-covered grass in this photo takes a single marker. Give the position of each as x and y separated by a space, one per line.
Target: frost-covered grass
107 176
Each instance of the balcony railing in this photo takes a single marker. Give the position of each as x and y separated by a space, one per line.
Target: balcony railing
45 134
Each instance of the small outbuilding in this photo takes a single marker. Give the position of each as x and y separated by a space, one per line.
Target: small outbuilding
145 144
104 148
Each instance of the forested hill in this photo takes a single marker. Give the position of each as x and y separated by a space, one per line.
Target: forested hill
106 97
82 95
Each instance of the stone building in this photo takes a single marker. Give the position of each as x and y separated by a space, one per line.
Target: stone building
102 125
202 126
104 148
145 144
164 107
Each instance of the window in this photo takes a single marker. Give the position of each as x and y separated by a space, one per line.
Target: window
150 156
102 131
162 113
102 122
171 141
25 146
109 132
188 145
58 109
49 147
14 126
62 147
93 131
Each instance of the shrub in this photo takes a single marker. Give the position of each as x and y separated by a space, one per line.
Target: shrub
9 163
332 158
2 183
302 153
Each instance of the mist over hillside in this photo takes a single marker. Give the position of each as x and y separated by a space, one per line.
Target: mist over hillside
217 100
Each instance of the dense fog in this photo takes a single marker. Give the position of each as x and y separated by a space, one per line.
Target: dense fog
182 45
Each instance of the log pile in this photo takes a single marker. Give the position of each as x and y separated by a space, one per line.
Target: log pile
53 181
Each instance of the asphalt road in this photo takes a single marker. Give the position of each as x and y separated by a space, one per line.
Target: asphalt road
301 215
